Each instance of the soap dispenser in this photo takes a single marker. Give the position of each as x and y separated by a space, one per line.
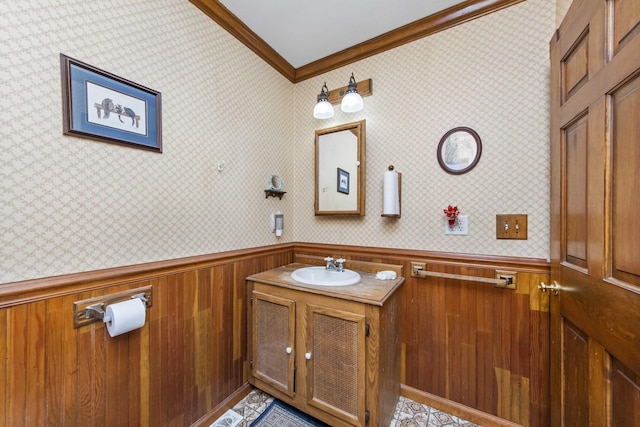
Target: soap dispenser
277 222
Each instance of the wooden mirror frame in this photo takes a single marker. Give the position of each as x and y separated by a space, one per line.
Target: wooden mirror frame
354 168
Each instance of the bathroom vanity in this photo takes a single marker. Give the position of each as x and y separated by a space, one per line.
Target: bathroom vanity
331 351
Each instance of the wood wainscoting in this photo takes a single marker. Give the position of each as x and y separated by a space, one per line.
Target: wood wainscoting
468 348
186 362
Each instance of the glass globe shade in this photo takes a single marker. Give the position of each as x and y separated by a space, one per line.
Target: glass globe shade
323 110
352 102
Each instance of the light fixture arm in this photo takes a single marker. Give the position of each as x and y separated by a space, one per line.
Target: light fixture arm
324 93
353 86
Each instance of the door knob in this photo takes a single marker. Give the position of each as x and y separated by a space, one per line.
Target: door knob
307 356
288 350
554 287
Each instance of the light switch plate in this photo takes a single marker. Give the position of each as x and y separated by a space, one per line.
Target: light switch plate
514 226
460 228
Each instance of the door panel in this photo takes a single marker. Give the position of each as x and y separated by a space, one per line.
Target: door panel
576 199
625 396
625 24
595 227
576 373
626 175
576 66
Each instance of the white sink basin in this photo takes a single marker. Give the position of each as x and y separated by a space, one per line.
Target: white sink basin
320 276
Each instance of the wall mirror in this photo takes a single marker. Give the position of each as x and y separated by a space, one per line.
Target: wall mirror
340 169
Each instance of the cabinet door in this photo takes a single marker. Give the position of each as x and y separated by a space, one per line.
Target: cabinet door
335 362
273 341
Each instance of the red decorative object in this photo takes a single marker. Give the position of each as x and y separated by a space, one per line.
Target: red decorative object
451 213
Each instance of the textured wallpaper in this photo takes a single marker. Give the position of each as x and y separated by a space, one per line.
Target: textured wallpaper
70 204
562 7
491 74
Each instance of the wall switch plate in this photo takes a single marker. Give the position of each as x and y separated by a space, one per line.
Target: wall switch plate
460 228
511 226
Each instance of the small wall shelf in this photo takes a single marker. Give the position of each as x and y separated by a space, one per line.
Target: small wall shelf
274 193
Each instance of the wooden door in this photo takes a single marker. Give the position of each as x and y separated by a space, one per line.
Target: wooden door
595 215
273 341
335 362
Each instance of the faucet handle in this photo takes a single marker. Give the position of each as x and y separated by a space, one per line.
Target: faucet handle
328 259
340 260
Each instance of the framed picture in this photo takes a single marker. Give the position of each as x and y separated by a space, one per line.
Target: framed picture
343 181
101 106
459 150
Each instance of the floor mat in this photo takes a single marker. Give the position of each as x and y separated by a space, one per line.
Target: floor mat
282 415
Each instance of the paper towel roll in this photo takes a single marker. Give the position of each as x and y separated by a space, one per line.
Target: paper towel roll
125 316
391 194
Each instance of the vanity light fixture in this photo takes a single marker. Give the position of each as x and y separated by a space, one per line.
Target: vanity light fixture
323 109
349 96
352 101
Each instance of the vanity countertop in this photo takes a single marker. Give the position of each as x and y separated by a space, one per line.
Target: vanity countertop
369 291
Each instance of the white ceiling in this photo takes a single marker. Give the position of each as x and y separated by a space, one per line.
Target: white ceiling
302 31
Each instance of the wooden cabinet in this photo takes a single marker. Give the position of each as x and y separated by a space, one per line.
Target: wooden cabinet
331 357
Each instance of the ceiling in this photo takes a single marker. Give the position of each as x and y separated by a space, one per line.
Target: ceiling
305 38
303 31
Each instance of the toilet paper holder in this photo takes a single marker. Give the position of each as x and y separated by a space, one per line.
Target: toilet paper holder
92 310
97 310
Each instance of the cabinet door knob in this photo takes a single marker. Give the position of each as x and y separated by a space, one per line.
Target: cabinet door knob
288 350
307 356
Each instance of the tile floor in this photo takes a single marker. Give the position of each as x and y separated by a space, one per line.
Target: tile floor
408 413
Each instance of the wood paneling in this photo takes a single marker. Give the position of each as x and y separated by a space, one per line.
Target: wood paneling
184 363
469 348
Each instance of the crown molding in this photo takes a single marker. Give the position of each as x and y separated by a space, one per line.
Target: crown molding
432 24
227 20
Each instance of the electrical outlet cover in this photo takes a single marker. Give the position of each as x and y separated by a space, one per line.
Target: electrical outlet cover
460 228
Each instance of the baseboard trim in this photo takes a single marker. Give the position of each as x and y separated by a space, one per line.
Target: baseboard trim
207 419
454 408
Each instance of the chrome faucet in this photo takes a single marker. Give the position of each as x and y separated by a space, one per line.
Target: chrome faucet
338 266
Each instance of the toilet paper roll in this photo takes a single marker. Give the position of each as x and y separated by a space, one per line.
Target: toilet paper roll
125 316
391 196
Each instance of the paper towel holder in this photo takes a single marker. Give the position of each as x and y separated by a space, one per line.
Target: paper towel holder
92 310
391 167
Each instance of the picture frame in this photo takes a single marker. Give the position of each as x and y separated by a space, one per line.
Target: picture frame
343 181
459 150
103 107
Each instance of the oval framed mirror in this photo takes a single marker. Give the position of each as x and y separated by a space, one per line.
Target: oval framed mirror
340 170
459 150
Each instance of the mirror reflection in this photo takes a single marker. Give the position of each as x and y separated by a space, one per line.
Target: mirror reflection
339 183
